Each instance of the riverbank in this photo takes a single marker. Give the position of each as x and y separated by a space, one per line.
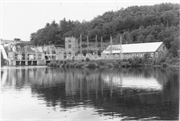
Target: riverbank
109 63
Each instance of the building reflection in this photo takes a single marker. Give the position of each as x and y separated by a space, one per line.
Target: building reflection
136 93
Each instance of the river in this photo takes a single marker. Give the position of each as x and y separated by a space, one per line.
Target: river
38 93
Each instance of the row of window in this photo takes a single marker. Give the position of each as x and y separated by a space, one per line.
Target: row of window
109 49
134 55
131 55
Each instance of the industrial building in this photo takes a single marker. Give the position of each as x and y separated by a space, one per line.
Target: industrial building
41 55
156 50
16 54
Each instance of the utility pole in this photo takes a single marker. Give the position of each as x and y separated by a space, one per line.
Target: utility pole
87 44
111 44
80 43
96 45
120 46
101 43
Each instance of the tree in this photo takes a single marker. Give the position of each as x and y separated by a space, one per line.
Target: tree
136 23
150 38
148 20
141 38
127 38
175 46
168 17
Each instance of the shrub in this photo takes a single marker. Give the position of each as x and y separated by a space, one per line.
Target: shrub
136 61
87 59
110 65
79 65
101 63
91 65
164 65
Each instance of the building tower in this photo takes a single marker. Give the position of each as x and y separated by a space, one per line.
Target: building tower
71 46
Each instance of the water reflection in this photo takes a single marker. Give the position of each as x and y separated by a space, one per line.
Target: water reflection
129 93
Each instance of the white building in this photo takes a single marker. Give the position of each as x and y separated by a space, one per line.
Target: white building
157 50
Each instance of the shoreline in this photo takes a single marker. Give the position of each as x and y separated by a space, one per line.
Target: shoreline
105 64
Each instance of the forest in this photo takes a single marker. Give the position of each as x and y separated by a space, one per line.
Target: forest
136 24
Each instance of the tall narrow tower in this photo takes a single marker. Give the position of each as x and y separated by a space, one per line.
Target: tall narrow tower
71 45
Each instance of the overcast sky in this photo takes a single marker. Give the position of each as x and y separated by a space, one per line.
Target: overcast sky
21 18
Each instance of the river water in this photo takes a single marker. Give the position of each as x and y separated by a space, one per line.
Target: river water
45 94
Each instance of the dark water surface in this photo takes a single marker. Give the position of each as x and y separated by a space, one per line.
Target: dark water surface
43 94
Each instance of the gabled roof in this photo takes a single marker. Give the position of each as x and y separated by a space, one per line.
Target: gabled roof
133 48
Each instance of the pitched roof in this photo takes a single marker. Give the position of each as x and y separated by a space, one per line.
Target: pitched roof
133 48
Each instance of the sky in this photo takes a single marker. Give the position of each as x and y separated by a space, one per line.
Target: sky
20 18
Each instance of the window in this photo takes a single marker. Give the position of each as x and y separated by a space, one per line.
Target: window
69 46
69 41
152 54
163 48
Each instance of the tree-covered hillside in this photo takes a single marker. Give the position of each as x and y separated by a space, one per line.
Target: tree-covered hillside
136 24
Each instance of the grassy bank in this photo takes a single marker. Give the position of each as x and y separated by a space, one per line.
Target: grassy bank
135 62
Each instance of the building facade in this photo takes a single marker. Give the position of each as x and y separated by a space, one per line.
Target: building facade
71 46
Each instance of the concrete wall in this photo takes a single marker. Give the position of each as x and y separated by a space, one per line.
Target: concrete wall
60 56
11 55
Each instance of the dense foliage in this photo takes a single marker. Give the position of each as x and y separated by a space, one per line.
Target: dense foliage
136 24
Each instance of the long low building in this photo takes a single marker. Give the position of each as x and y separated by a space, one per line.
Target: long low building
156 50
